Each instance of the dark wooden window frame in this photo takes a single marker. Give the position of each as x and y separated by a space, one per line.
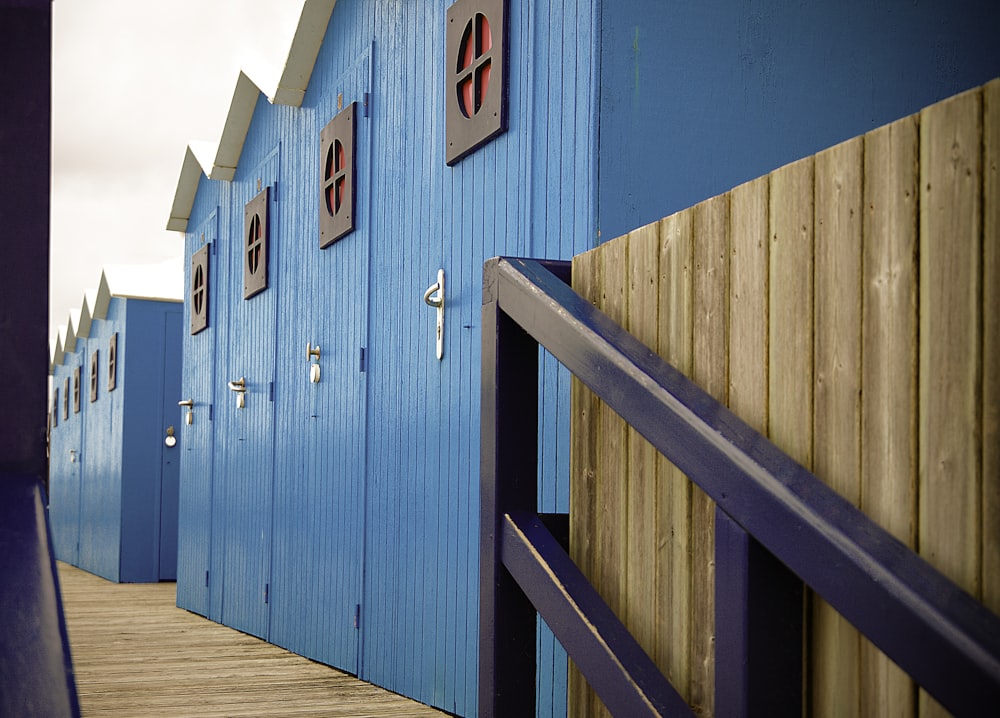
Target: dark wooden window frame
199 294
337 177
476 71
256 236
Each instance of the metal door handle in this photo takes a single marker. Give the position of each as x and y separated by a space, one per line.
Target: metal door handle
189 416
438 303
240 387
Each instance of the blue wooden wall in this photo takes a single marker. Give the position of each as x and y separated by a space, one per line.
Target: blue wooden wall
113 509
700 96
351 506
340 519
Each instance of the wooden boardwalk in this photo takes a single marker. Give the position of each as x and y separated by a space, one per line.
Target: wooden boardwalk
136 654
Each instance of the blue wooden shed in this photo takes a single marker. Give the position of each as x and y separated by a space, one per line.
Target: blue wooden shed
113 472
334 244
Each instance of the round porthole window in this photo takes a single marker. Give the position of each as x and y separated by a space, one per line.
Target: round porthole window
254 244
474 64
335 177
198 289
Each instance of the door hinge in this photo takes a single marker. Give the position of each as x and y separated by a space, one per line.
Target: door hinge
274 191
213 246
364 105
357 615
209 412
362 366
270 390
206 579
267 592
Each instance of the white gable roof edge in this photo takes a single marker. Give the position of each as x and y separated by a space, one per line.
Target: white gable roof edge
291 89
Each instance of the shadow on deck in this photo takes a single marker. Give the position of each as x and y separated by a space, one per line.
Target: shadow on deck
135 653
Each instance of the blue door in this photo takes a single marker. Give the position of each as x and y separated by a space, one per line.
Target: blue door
244 453
320 464
198 384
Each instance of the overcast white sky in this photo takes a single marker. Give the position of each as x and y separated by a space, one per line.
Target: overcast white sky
132 83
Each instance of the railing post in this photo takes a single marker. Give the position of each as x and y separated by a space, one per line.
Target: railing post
509 482
758 628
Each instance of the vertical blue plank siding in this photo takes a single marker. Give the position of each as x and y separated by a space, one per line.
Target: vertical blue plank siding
358 519
65 456
195 440
107 506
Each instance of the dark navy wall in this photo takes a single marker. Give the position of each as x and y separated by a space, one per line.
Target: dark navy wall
702 95
150 366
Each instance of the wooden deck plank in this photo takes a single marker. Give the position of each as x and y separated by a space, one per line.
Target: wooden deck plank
135 653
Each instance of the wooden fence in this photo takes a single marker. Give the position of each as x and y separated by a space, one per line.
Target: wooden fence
848 307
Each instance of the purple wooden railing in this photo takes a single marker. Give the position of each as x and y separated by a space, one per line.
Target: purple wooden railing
778 528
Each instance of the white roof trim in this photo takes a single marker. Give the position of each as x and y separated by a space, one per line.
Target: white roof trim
57 351
290 90
101 299
187 185
305 49
234 134
69 343
83 327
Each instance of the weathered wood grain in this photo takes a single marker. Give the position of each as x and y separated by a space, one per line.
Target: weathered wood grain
136 654
748 325
673 501
709 370
584 466
836 409
950 490
991 346
889 371
643 313
790 288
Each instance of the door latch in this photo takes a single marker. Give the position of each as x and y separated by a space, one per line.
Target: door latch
312 352
189 416
240 387
437 301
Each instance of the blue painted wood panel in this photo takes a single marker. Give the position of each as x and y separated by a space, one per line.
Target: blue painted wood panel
195 440
379 469
148 470
65 457
101 496
244 439
319 478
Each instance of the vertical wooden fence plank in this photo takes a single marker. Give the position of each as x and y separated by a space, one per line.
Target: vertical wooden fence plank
790 304
673 504
790 287
709 370
584 458
612 484
991 346
748 302
643 310
836 410
889 372
950 526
